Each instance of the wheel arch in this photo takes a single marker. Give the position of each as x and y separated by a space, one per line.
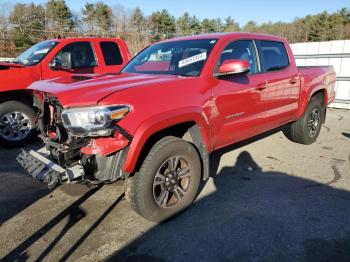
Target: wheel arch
190 126
321 95
24 96
319 91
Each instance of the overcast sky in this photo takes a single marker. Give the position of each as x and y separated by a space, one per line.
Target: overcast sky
241 11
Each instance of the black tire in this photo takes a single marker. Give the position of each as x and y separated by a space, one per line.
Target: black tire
26 120
299 131
140 189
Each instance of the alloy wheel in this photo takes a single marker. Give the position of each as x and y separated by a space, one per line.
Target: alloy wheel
15 126
314 122
171 181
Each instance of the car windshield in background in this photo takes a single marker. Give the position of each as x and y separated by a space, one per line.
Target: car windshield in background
185 58
36 53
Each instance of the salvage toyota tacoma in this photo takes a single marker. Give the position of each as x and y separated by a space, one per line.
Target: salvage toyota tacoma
155 123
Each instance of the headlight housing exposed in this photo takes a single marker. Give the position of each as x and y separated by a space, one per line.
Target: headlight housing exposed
93 121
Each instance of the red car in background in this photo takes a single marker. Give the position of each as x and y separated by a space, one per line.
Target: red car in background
45 60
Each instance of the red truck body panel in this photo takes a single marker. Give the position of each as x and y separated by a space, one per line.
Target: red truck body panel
225 111
314 79
17 77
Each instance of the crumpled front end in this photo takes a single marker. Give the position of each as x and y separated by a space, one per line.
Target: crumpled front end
71 156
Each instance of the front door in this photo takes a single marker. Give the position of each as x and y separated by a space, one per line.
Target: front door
82 57
237 106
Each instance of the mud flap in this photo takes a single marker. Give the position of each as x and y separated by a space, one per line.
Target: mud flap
42 169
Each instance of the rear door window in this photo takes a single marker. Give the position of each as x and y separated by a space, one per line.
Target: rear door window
111 53
274 56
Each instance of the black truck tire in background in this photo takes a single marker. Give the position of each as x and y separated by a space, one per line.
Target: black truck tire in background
306 129
164 170
17 124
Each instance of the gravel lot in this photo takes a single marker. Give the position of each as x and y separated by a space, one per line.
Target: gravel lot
268 200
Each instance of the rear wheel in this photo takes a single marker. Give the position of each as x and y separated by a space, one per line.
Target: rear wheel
168 180
17 124
306 130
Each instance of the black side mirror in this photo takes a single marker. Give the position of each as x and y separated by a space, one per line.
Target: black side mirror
62 62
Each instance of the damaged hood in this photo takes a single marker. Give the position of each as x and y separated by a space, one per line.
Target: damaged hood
84 90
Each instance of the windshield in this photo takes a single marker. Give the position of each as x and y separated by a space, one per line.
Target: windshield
186 58
36 53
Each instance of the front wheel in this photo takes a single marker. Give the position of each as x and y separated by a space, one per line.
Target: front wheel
306 130
17 124
168 180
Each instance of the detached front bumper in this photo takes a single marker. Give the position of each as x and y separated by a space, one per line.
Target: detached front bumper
41 168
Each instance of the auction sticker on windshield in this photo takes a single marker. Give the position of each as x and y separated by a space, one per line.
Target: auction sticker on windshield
42 51
193 59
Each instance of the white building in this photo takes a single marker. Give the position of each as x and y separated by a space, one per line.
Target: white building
335 53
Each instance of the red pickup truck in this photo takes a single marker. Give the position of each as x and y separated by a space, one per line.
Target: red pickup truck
155 124
45 60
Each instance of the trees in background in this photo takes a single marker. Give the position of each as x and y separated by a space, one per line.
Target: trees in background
162 24
230 25
183 24
27 24
251 26
98 18
188 25
327 27
209 25
138 20
22 25
103 17
59 18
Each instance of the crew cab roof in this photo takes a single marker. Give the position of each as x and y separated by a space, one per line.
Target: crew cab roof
228 36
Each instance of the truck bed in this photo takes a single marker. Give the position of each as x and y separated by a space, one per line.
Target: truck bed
312 76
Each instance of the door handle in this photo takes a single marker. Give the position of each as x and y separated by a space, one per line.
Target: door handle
260 86
293 81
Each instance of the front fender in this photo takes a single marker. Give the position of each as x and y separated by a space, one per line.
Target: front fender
160 122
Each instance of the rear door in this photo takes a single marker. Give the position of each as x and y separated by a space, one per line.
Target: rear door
238 107
280 97
112 59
